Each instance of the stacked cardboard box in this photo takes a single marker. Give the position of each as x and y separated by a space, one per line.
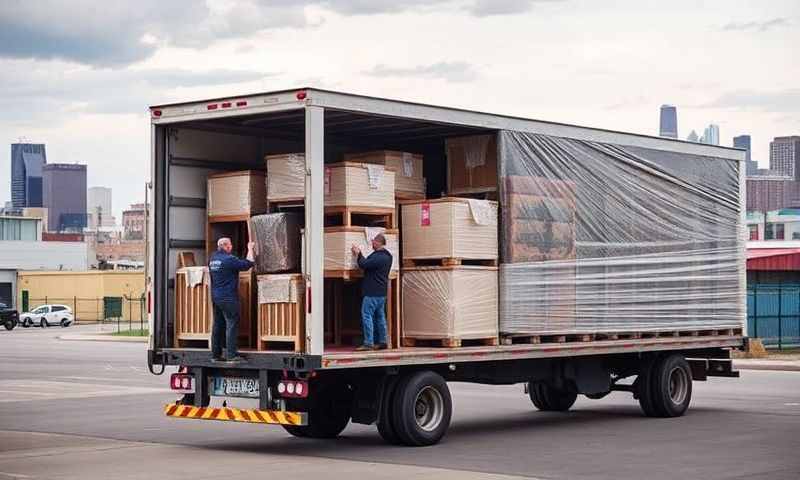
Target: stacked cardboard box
286 177
407 168
237 193
339 240
351 185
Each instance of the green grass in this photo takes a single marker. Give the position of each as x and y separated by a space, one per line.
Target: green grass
132 333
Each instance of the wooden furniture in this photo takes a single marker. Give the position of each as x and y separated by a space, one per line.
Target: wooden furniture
471 164
193 309
281 312
237 193
350 185
247 308
286 177
450 306
407 168
449 227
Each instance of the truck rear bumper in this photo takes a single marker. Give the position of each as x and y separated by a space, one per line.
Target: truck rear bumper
236 415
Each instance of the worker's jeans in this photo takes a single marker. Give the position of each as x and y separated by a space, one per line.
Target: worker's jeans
373 316
225 329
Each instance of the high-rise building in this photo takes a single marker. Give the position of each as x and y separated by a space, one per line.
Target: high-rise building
744 142
784 156
98 203
711 135
27 160
693 137
64 195
668 126
767 193
133 222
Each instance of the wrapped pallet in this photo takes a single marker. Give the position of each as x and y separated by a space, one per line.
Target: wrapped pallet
338 241
359 185
237 193
603 238
471 164
449 305
286 177
277 238
449 228
407 168
281 312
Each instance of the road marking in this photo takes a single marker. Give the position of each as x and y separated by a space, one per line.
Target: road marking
792 404
14 475
28 390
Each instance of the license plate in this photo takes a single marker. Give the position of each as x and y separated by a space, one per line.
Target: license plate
233 387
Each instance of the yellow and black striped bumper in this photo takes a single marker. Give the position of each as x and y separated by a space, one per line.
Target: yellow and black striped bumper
235 415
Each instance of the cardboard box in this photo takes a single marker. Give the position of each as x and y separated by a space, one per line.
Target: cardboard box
450 302
286 177
359 185
449 228
471 164
237 193
338 241
407 168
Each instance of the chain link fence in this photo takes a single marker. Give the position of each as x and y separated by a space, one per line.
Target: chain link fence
129 313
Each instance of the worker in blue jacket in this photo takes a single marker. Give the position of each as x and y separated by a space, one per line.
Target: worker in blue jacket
224 269
376 269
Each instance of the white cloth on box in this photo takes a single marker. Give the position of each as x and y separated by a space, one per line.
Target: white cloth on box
277 289
482 211
194 275
408 165
475 150
374 176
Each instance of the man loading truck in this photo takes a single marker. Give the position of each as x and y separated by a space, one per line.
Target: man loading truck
224 269
376 269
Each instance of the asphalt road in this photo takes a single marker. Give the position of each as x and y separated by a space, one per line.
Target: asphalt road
74 409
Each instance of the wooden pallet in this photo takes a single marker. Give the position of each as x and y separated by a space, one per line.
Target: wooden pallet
515 339
449 342
447 262
350 216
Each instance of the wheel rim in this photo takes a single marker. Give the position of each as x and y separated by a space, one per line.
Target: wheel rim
678 385
429 409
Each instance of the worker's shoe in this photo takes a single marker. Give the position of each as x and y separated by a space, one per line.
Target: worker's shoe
380 346
236 359
217 359
365 348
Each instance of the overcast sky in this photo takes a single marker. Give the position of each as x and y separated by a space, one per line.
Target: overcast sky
78 75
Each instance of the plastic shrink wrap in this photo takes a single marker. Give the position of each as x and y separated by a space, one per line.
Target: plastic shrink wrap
604 238
339 240
277 238
286 177
358 185
237 193
407 168
449 302
450 228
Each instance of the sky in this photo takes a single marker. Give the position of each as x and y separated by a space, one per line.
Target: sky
79 75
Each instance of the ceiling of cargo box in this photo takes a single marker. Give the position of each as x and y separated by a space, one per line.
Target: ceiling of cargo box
358 130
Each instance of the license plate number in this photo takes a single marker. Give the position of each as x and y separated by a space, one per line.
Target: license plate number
234 387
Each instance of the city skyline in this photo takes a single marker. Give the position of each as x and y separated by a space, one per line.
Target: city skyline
668 122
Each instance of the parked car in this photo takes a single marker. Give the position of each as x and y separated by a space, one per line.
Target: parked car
8 317
48 315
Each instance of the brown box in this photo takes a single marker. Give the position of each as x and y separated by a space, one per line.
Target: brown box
351 185
281 312
447 228
237 193
407 168
286 177
338 241
449 303
471 164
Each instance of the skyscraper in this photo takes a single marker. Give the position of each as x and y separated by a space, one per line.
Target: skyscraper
693 137
743 142
668 126
784 156
27 160
64 195
98 201
711 135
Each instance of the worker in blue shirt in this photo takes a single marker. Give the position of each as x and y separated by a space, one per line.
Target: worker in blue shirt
376 269
224 269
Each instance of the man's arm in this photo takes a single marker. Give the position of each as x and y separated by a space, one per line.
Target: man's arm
373 262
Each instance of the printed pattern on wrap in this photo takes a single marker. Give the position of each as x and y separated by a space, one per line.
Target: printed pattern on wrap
374 175
408 164
277 289
483 212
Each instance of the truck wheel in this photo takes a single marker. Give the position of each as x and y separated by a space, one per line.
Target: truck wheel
327 416
644 387
671 386
596 396
386 415
422 409
549 399
10 324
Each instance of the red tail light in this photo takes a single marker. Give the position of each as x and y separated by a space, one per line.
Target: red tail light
241 103
156 113
226 104
293 388
182 382
212 106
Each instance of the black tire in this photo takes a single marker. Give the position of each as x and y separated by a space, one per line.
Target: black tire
385 422
43 323
671 386
596 396
328 415
27 322
549 399
644 387
422 409
64 323
10 324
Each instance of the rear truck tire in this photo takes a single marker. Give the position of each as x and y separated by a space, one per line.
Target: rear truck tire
422 409
27 323
385 421
328 414
596 396
549 399
671 386
10 324
644 387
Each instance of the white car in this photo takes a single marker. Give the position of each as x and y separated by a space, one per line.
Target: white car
48 315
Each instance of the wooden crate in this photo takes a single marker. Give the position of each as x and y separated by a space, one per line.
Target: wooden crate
281 312
471 164
193 309
248 297
242 192
286 177
445 228
445 306
348 184
407 168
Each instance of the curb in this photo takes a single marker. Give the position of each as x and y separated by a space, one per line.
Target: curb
103 338
775 365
